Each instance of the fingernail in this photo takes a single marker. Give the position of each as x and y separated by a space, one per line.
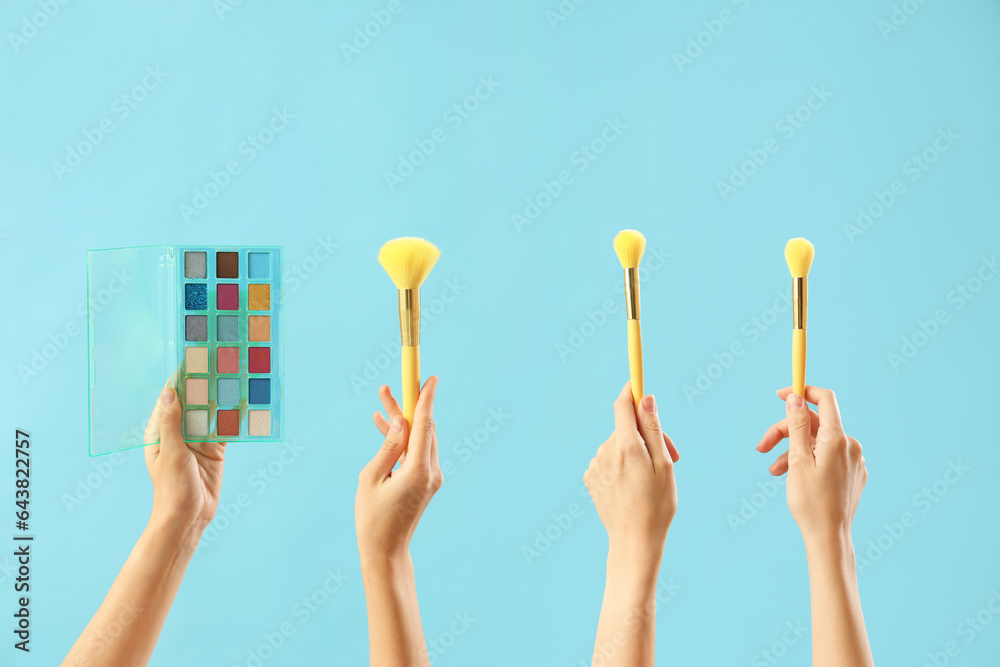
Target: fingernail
397 425
167 396
793 402
649 403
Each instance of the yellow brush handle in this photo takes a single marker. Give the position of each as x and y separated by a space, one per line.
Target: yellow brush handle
799 361
411 380
635 360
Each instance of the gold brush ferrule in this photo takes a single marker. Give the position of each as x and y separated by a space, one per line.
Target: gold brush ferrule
409 316
799 303
632 293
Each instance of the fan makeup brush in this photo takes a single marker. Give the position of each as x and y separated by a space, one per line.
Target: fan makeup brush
408 261
629 246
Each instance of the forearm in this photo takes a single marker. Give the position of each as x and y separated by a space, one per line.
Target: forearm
395 634
839 635
124 631
626 632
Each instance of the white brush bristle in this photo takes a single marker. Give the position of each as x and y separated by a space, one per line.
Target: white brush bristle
629 245
408 261
799 254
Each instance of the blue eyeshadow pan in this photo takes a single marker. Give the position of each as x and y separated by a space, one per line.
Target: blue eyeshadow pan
195 296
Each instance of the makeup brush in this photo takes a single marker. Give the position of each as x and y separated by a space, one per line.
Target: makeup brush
799 255
629 246
408 261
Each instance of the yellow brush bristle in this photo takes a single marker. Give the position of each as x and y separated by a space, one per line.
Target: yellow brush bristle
629 245
799 255
408 261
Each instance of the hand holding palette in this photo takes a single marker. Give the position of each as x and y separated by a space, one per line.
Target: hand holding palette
209 317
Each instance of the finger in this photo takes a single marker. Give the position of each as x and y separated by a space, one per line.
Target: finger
389 403
780 465
675 456
168 418
381 423
800 448
625 411
422 436
652 433
779 432
383 462
825 401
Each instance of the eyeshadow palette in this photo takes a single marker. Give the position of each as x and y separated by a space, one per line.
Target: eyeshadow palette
211 318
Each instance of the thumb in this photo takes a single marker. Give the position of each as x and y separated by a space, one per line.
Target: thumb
800 449
395 443
168 416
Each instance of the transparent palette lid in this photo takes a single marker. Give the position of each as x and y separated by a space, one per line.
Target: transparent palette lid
132 348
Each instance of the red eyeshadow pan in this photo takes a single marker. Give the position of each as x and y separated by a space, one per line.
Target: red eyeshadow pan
260 359
228 422
228 360
229 297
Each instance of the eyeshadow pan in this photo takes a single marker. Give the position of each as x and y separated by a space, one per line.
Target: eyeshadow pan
195 265
196 328
260 359
196 391
228 422
196 296
196 422
258 265
228 297
227 360
227 265
259 391
260 328
260 422
196 360
229 391
259 297
229 328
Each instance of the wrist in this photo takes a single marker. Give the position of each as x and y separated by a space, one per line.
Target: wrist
375 562
830 549
634 567
175 529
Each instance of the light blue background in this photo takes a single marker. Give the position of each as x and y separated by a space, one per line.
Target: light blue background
521 294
